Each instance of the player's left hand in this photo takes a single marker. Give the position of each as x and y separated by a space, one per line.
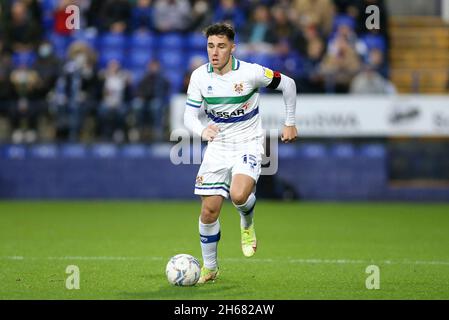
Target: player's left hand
289 134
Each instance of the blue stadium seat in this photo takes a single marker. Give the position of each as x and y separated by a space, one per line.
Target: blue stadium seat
173 59
312 150
108 55
261 58
375 41
60 43
49 5
342 150
137 74
171 41
142 40
197 41
292 64
44 151
134 151
343 19
105 150
73 151
88 37
176 79
373 151
13 151
198 54
113 41
24 58
139 58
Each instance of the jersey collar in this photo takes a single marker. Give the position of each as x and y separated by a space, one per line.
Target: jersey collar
235 65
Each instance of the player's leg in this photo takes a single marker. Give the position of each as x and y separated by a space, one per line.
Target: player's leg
209 228
243 198
245 174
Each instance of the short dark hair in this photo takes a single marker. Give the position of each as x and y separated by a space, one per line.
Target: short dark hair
220 29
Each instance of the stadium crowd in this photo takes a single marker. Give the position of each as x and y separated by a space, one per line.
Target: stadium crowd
112 79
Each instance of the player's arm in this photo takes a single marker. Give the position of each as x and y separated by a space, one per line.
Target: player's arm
192 110
192 122
281 82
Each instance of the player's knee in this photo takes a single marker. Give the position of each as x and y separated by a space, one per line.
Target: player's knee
209 215
239 198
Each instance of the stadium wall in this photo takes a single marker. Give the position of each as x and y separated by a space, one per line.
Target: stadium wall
307 171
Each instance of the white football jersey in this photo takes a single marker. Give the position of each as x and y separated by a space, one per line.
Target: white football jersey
231 101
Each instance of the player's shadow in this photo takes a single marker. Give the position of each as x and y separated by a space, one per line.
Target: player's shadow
217 290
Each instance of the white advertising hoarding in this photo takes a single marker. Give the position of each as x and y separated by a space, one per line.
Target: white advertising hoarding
350 115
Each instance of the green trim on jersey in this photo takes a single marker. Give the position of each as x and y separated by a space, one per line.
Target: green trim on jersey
216 184
195 101
235 65
230 100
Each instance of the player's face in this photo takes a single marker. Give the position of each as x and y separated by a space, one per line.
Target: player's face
219 50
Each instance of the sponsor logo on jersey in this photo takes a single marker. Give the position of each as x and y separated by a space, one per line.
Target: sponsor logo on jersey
268 73
227 114
209 89
238 87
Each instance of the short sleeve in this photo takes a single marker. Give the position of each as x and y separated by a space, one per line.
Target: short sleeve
194 96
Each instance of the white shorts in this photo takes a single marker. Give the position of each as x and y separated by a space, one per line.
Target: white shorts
219 166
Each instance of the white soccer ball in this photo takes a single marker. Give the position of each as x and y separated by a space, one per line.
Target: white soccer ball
183 270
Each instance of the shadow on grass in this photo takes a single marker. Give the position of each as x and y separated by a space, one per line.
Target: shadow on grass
216 290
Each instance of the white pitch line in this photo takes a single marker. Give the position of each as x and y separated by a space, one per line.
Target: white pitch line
254 260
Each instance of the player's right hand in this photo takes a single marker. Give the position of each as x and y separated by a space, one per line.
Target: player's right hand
210 132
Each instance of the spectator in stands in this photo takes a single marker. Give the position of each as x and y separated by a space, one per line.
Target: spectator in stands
316 12
114 15
201 15
48 66
340 66
115 97
151 102
377 62
76 91
258 34
24 110
22 33
311 80
347 7
142 15
345 28
368 81
284 29
5 83
229 11
195 62
172 15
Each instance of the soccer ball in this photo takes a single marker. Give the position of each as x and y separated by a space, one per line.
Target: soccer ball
183 270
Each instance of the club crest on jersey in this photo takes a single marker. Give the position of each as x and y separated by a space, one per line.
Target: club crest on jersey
209 89
238 87
199 180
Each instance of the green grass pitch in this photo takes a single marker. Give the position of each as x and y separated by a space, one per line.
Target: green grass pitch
306 250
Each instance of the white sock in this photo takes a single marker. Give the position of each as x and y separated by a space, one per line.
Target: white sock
209 236
247 211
